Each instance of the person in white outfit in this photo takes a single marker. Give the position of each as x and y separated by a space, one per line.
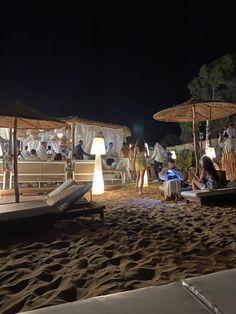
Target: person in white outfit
25 152
231 130
159 155
42 151
172 181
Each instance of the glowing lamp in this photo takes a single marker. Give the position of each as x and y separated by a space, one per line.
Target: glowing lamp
145 179
98 149
210 152
60 135
173 154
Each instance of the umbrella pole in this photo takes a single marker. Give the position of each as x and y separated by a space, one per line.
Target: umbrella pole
16 188
194 140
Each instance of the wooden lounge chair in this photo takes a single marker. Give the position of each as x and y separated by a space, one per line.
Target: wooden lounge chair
214 197
66 203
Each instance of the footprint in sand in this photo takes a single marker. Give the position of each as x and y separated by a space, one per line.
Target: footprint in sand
60 255
69 294
59 245
18 286
44 276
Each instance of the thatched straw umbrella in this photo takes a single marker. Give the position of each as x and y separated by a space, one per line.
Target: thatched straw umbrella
18 116
193 110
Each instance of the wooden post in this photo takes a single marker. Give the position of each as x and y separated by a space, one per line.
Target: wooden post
16 188
194 139
73 136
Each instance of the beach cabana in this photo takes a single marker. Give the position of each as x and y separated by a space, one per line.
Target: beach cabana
86 130
19 116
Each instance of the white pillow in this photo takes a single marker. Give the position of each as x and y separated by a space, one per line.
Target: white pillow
63 186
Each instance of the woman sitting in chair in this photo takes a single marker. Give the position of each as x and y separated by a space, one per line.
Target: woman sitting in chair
209 178
172 180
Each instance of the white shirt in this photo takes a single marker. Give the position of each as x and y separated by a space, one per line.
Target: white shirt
42 153
231 132
25 153
159 154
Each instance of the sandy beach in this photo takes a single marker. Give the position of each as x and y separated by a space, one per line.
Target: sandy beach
142 241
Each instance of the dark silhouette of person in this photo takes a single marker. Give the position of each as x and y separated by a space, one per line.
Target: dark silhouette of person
79 152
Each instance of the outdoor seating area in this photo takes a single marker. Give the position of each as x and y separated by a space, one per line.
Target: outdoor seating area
213 293
82 171
40 172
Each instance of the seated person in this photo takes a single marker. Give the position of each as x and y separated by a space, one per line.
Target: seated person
119 165
110 154
33 155
172 180
51 154
209 178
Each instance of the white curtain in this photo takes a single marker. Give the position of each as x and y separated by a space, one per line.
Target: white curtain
86 133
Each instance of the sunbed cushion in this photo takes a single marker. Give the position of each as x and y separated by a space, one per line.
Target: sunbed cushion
67 197
218 288
63 186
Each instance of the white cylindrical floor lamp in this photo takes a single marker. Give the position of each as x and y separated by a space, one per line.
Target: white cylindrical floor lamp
98 149
145 179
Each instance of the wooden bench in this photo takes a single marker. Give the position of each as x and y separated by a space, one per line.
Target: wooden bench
82 171
41 172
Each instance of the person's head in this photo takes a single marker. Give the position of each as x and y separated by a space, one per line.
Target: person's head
44 144
26 147
208 166
140 144
33 151
49 147
171 163
110 144
81 142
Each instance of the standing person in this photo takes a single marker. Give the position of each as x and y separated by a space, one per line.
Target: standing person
159 155
42 151
140 163
79 152
231 130
209 178
131 164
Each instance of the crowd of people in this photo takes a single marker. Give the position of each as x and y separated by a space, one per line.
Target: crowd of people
134 159
44 153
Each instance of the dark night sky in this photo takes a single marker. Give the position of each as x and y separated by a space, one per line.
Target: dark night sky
116 63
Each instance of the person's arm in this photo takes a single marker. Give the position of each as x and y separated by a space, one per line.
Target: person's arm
179 174
154 153
202 175
163 173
